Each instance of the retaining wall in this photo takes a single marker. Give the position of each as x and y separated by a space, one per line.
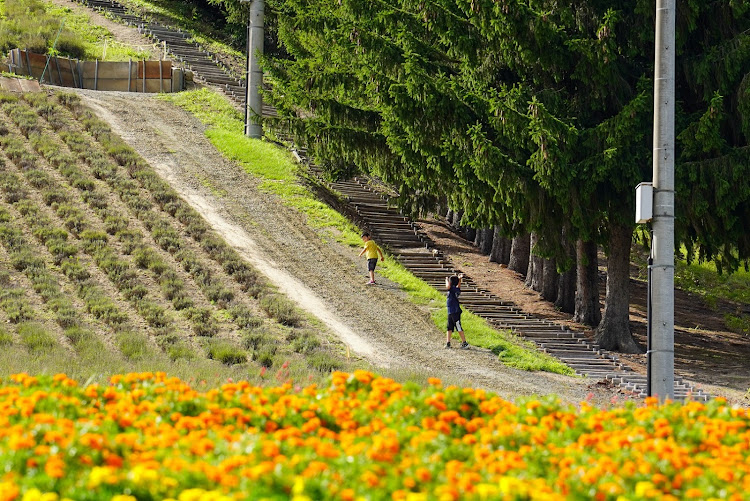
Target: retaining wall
127 76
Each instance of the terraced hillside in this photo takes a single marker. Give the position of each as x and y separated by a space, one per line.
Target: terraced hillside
103 265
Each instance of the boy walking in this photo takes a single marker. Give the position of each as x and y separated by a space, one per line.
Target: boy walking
372 250
453 285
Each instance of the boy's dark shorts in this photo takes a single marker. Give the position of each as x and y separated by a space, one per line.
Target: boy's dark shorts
454 322
371 263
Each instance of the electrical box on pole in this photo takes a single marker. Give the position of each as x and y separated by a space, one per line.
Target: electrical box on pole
644 193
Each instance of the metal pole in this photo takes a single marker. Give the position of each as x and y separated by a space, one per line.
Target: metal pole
254 101
648 325
662 351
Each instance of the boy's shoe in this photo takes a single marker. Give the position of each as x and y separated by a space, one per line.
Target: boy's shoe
371 282
464 345
447 346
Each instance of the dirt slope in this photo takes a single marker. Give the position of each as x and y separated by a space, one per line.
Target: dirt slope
323 277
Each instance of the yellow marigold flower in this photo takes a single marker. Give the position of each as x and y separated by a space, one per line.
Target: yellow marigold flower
642 488
299 485
32 495
101 475
487 491
191 495
141 474
123 497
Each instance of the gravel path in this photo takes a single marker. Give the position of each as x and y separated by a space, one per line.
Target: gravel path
323 277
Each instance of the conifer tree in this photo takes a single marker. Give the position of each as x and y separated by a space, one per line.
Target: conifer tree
527 115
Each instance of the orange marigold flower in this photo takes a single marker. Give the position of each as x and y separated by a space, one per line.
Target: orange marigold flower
347 494
55 467
423 475
8 491
370 478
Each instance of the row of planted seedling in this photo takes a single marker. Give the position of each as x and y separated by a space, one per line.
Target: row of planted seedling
95 243
26 258
112 162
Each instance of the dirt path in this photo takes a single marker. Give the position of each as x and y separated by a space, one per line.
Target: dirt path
323 277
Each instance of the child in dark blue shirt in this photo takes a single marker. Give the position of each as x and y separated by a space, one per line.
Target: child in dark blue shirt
453 285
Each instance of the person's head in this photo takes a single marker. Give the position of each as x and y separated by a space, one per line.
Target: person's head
454 280
365 236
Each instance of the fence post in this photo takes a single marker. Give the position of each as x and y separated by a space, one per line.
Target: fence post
28 63
161 78
59 73
130 72
144 76
96 75
72 72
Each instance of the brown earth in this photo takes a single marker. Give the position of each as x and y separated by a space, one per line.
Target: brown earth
392 334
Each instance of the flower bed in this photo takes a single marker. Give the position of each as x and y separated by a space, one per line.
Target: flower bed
151 437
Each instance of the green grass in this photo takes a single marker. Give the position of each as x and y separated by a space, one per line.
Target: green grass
97 41
38 25
704 279
278 173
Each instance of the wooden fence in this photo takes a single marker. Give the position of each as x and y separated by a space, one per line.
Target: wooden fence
127 76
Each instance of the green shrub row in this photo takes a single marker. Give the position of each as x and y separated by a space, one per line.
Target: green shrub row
95 243
26 259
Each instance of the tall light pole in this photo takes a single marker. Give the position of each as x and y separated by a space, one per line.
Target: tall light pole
661 350
253 98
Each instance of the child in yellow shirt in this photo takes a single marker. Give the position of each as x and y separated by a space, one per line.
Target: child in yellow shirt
372 250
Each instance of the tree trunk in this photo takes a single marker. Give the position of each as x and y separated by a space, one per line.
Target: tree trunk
500 252
566 284
614 331
469 234
519 254
587 289
566 291
483 240
535 273
549 280
449 216
456 221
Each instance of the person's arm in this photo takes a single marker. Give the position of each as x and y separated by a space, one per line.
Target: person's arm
460 279
382 257
447 283
363 251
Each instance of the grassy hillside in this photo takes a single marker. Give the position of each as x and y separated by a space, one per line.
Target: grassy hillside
45 28
104 268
